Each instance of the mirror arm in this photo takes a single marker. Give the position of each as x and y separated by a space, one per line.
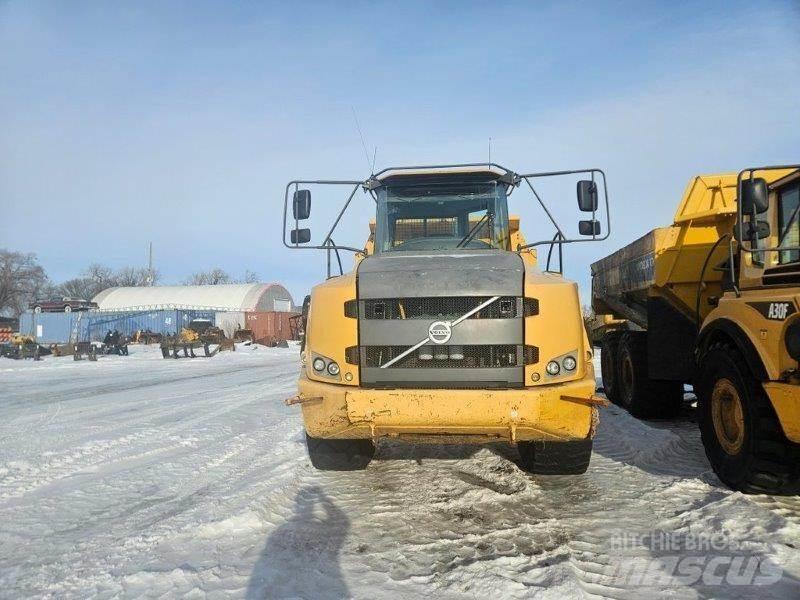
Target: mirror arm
560 254
734 276
565 240
341 214
542 204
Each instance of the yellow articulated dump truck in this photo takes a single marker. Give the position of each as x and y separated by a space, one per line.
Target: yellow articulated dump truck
714 301
447 329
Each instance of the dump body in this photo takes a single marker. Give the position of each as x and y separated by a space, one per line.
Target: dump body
667 262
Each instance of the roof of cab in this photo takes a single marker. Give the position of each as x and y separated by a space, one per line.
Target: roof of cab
492 169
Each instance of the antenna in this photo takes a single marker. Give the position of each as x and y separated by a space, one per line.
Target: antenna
490 149
363 143
150 278
374 154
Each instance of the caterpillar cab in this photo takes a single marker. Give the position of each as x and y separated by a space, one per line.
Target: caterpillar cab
447 329
714 301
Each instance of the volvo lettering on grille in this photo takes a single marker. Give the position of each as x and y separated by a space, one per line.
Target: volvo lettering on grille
440 332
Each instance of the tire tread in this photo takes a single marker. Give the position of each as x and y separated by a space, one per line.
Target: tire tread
774 464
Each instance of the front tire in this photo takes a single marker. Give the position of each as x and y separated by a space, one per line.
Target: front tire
741 434
339 455
555 458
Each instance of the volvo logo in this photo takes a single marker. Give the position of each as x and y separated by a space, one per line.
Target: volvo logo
439 332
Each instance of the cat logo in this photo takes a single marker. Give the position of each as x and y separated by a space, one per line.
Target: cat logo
774 311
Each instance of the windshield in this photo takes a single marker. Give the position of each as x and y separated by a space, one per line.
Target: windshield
442 215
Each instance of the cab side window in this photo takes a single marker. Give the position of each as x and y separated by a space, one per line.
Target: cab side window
789 223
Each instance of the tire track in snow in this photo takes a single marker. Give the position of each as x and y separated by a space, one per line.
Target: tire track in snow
213 516
20 478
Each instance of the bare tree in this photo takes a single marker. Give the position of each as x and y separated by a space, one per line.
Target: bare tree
213 277
22 279
135 277
79 287
249 277
96 278
101 275
218 276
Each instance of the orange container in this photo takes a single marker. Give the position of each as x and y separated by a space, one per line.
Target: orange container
270 327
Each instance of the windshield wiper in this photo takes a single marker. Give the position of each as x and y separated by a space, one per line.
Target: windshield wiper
471 234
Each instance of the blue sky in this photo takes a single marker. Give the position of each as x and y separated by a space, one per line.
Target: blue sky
179 123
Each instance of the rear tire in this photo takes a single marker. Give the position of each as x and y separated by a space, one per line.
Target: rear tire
609 357
641 396
339 455
555 458
741 433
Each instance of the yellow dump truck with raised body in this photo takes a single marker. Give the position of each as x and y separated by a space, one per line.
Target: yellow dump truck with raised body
447 329
714 301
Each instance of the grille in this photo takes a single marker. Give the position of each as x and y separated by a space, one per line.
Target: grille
444 357
506 307
351 355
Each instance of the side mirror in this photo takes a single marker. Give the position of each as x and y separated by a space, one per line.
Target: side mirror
587 196
301 236
759 230
589 227
301 204
755 196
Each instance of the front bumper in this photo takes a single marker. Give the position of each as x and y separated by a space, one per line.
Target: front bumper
785 398
564 411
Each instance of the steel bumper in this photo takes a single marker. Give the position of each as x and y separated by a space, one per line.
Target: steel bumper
566 411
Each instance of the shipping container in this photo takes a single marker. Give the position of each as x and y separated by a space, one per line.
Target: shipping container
270 327
49 328
54 328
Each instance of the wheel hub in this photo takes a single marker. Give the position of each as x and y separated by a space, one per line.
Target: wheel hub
728 416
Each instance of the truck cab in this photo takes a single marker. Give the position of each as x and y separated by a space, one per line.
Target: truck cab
446 329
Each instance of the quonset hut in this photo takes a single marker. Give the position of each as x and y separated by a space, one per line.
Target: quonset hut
244 297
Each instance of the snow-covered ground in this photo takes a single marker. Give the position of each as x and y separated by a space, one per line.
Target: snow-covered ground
142 476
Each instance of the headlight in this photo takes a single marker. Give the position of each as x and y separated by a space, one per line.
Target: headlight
333 369
318 364
553 368
569 363
793 340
